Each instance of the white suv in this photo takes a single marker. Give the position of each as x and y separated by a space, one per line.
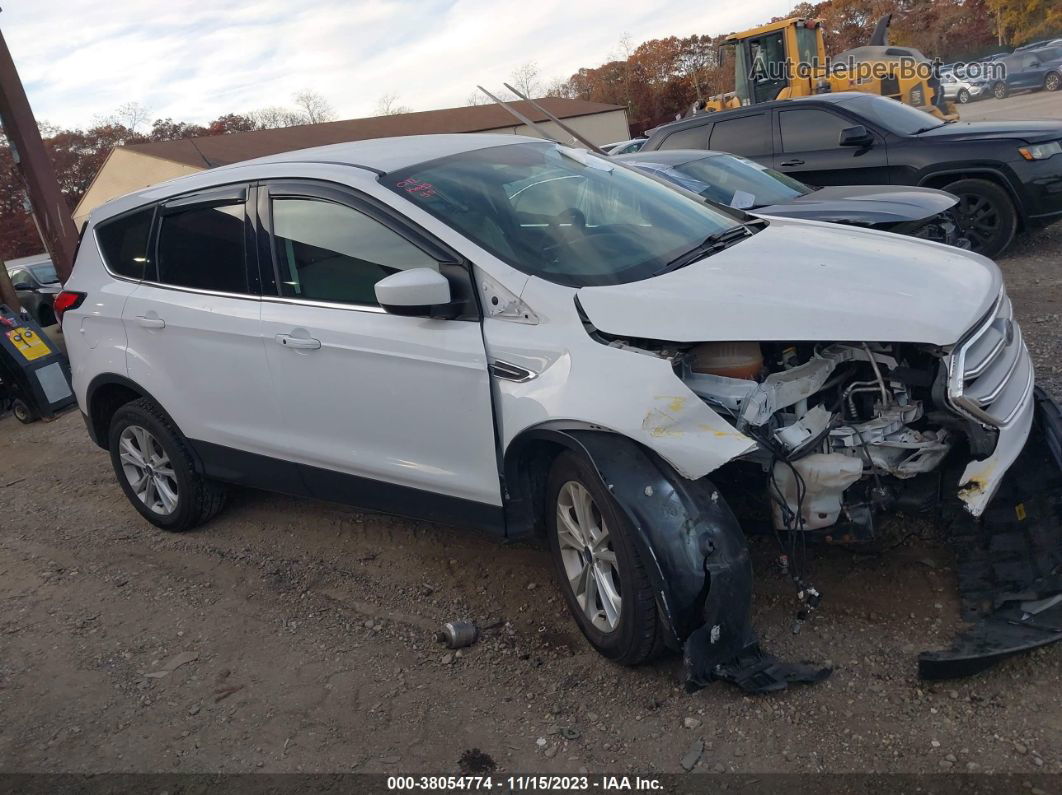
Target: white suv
508 333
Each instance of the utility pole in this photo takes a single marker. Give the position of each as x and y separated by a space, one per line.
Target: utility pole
54 223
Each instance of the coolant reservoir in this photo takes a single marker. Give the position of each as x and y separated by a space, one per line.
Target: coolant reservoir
729 359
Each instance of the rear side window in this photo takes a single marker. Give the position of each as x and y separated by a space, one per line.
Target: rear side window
124 243
330 252
747 135
202 248
809 130
691 138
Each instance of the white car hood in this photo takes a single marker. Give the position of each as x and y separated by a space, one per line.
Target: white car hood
807 281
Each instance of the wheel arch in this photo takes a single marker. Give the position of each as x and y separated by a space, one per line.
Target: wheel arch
108 392
941 178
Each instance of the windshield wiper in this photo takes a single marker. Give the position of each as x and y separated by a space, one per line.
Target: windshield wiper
716 241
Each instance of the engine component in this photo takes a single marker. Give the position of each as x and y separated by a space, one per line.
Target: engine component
728 359
811 488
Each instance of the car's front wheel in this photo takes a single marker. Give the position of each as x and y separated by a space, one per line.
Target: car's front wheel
600 572
156 470
999 90
964 96
986 215
1052 81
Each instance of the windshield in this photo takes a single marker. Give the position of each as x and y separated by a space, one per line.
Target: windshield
893 115
562 214
740 183
45 274
1049 54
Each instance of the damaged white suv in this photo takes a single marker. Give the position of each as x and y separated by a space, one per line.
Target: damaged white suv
504 332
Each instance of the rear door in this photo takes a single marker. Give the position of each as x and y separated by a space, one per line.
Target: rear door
193 324
393 412
748 135
808 150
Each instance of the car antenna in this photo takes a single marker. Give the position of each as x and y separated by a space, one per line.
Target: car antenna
533 125
592 147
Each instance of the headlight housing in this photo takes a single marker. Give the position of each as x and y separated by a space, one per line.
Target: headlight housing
1041 151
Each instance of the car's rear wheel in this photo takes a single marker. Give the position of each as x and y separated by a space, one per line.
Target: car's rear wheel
1052 81
964 96
986 215
999 90
600 572
156 470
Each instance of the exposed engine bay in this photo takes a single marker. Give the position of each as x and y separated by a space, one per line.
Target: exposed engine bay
847 431
828 417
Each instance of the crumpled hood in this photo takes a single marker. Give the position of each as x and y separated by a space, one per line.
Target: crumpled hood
807 281
864 204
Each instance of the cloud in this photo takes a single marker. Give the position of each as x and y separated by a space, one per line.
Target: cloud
196 61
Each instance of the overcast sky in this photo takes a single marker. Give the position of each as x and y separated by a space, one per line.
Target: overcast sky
194 61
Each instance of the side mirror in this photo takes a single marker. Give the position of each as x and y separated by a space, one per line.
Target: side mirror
415 292
855 136
23 286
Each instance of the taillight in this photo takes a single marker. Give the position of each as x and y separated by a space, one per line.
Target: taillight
67 299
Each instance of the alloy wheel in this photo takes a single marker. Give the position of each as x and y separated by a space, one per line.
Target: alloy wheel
978 219
148 469
589 558
1052 82
1000 90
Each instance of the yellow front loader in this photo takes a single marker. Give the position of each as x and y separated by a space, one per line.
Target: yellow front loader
787 59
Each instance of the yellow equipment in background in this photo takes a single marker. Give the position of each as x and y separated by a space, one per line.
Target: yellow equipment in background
787 59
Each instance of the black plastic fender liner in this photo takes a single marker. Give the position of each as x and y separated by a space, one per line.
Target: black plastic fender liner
1010 562
689 539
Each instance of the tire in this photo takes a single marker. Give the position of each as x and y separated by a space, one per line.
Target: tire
986 215
964 96
1000 90
167 491
636 634
46 317
1053 81
23 412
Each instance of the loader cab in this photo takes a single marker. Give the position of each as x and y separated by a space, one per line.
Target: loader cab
777 61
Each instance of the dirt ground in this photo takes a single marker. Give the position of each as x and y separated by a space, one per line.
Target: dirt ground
300 638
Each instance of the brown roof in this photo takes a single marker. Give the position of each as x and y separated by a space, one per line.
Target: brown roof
220 150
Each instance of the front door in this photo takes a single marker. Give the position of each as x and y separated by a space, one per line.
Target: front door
809 150
381 410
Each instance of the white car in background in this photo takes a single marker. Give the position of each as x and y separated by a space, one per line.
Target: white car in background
963 90
507 333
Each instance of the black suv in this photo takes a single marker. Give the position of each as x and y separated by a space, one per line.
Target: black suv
1007 175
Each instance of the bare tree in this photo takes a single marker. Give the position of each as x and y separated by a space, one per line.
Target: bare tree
388 105
559 87
313 107
274 116
477 97
525 78
130 115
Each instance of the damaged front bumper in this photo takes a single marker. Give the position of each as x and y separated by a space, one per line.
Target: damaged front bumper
1009 557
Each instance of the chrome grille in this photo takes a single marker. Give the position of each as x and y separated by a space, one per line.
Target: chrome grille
990 374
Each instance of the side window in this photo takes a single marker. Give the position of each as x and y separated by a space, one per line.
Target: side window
330 252
124 243
202 247
690 138
19 277
746 135
809 130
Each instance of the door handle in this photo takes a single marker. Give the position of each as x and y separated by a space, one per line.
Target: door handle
791 163
150 322
300 343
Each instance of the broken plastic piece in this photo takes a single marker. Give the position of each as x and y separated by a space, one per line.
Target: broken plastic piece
753 670
1010 562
